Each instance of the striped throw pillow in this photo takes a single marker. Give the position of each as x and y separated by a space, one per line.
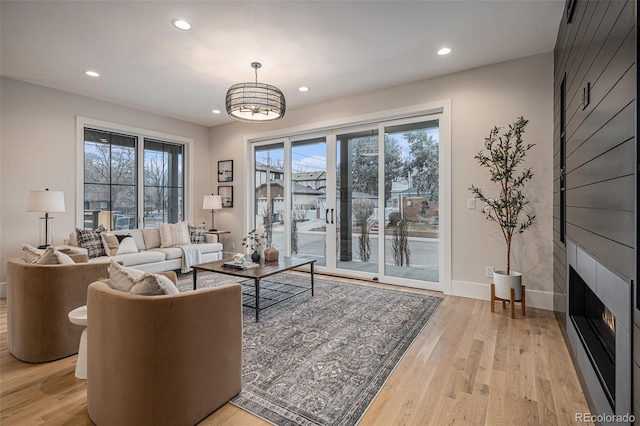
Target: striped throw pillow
173 234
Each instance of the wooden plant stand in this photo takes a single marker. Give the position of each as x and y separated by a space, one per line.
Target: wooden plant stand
511 301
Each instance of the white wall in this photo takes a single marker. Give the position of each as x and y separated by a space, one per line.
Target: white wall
481 98
38 150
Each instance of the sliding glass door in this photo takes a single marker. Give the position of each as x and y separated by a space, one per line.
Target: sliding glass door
308 190
411 217
269 192
362 201
356 201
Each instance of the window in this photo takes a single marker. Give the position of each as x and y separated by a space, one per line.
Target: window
112 194
110 180
163 183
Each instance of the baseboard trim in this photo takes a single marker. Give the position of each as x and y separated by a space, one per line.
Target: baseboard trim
3 290
535 298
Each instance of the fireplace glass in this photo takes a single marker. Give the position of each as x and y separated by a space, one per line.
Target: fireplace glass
596 326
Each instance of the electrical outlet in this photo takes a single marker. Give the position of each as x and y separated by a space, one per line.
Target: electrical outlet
471 203
489 272
233 245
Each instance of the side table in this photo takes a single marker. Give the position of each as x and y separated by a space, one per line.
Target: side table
79 317
218 233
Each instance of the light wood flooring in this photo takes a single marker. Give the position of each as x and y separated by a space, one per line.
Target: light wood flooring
467 366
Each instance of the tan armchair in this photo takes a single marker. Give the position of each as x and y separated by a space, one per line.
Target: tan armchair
39 298
169 360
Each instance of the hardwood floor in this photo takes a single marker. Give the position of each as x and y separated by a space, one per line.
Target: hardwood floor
467 366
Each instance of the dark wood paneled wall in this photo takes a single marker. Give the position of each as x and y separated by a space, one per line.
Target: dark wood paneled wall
595 54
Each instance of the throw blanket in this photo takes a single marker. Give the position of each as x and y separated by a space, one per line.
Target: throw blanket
190 256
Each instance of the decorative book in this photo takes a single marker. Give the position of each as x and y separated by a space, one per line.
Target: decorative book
241 266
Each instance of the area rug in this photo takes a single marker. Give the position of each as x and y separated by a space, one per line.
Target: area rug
321 360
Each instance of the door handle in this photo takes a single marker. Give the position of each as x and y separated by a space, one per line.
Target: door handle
326 216
331 215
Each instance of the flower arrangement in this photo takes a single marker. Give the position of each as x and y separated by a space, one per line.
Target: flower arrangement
254 240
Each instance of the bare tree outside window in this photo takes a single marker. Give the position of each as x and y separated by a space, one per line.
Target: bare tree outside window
423 164
400 242
111 185
362 210
365 165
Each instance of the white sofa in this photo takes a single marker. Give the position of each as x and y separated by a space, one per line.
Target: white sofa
151 257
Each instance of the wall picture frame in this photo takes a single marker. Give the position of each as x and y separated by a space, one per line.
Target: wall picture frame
226 193
225 171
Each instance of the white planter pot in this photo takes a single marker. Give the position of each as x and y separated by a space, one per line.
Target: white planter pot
504 283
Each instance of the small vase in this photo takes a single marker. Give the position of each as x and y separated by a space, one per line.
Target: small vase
255 256
271 254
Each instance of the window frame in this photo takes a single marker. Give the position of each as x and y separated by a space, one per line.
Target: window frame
563 160
141 134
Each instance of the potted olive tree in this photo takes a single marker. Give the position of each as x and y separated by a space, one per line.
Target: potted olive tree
502 157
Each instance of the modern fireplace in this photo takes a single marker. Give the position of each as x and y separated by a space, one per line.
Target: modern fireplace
596 327
599 325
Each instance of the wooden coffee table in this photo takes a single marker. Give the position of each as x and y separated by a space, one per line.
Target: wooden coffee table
276 293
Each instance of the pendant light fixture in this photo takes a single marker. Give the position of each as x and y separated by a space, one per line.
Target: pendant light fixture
255 102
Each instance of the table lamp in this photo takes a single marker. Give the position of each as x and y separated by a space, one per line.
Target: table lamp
45 201
212 202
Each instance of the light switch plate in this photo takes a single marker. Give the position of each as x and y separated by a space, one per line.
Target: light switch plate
471 203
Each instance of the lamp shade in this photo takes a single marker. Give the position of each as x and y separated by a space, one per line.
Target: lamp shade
212 202
45 201
255 102
250 102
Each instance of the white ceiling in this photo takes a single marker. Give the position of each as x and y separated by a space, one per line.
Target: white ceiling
336 48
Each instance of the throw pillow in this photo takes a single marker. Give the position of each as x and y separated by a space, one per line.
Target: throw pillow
51 256
173 234
73 239
91 241
197 234
113 244
122 278
153 285
127 245
31 254
110 243
137 282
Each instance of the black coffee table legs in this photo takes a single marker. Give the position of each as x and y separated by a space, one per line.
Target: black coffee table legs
257 286
195 277
257 282
257 289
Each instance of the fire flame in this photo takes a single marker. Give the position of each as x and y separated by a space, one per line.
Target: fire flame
609 319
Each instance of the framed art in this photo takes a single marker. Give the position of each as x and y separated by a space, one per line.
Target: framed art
226 193
225 171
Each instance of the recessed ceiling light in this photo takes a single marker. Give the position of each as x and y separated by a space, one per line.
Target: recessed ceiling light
303 88
216 111
445 51
181 24
91 73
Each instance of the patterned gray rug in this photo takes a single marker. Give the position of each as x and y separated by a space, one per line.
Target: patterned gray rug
321 360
